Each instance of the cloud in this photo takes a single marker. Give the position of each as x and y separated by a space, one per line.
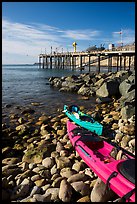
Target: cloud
128 36
20 38
27 39
26 32
81 34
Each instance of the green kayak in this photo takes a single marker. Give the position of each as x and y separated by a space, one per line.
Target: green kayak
84 120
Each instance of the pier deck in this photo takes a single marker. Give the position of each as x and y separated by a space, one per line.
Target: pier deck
79 60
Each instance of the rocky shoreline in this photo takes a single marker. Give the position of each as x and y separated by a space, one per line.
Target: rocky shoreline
39 164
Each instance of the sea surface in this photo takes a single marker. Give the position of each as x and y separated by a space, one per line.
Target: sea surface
23 85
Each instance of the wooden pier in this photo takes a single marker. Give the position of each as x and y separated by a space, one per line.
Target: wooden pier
80 60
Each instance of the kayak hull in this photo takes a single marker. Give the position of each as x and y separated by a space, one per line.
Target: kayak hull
97 156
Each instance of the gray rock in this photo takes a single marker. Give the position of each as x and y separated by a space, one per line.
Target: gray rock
5 195
28 110
78 177
35 177
20 191
125 87
54 154
27 181
28 199
54 170
67 172
122 75
131 143
84 90
84 199
45 173
131 78
78 166
32 165
22 128
45 187
104 100
127 112
118 137
119 155
48 162
81 187
56 182
25 166
10 170
128 99
11 160
35 190
5 182
64 89
108 88
99 193
89 172
53 193
63 162
65 191
40 182
99 82
42 198
36 155
55 176
71 86
59 147
58 83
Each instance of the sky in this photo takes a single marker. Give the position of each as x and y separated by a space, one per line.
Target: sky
32 28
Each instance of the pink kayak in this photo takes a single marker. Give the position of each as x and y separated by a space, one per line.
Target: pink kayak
119 175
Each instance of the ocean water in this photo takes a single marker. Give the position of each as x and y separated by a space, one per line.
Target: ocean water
25 84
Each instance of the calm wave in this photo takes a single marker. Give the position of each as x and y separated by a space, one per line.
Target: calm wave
22 85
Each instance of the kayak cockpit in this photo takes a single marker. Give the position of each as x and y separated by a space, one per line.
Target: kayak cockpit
127 169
